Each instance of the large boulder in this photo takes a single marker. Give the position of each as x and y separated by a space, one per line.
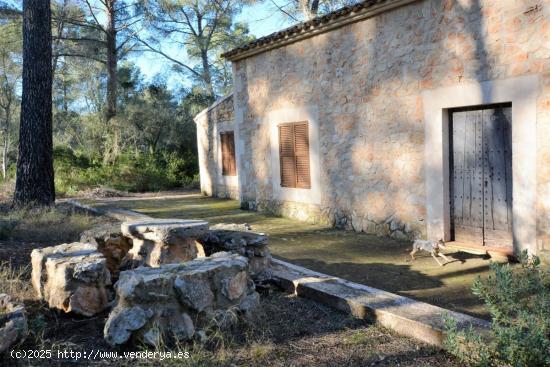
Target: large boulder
13 323
163 241
110 242
173 300
72 277
239 239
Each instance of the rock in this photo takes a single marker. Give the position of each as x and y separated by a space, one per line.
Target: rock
171 301
163 241
246 243
72 277
123 321
195 294
13 323
110 242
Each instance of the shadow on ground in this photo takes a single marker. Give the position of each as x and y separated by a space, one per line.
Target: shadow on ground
378 262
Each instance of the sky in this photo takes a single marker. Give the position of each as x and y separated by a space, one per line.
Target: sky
262 19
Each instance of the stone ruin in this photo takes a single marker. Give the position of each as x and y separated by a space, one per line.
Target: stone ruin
171 301
238 238
173 276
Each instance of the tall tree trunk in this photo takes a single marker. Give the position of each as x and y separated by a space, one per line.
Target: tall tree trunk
207 75
6 141
5 149
35 177
112 61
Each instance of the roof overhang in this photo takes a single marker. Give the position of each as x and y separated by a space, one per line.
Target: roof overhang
339 18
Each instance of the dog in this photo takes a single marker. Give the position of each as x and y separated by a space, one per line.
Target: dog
430 246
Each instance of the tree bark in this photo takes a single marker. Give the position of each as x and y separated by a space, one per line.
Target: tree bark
207 75
112 81
6 142
111 32
35 177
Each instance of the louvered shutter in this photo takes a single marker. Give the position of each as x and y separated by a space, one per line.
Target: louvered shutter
294 155
231 154
286 155
301 151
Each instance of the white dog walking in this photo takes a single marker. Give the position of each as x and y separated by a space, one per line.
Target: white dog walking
430 246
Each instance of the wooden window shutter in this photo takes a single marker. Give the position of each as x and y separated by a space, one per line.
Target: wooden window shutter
301 151
229 166
294 155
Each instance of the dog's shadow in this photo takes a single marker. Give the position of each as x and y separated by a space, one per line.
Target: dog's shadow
462 257
454 257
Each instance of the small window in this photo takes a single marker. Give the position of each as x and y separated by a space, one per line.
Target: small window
294 155
229 167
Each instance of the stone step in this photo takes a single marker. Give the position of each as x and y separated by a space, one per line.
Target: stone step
406 316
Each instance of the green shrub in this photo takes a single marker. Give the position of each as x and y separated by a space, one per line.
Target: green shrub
75 172
518 298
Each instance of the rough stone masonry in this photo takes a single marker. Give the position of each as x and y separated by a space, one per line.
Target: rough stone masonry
361 85
173 300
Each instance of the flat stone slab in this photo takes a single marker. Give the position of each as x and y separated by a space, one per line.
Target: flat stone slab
406 316
164 230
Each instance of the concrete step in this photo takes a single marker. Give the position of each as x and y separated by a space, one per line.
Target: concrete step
406 316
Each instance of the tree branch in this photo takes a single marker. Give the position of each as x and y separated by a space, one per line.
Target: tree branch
160 52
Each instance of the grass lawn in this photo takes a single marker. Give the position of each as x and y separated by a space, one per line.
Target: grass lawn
377 262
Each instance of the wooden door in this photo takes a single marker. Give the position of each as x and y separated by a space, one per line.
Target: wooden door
481 176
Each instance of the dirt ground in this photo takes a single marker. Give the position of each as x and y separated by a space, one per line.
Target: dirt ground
377 262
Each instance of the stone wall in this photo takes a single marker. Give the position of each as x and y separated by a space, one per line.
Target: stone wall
217 118
364 82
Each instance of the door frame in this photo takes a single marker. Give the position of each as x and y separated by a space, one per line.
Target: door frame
522 93
450 112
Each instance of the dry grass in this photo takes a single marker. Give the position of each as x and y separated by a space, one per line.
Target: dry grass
16 282
51 224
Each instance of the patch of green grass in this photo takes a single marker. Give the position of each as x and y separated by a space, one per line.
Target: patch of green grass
363 258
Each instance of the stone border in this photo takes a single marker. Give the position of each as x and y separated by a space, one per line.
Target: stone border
405 316
288 115
522 93
123 215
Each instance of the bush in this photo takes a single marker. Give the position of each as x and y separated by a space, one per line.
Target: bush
75 172
518 299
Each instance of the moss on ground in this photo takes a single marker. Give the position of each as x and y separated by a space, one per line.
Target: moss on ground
378 262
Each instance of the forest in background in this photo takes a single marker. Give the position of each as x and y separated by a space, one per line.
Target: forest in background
112 127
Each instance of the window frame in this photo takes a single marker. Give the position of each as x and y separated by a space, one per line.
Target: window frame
230 171
295 156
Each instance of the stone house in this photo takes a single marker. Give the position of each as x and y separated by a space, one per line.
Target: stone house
403 118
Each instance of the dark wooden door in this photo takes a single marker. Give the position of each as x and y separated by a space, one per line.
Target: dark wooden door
481 176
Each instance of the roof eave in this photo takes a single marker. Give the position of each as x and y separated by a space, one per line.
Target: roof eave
316 26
